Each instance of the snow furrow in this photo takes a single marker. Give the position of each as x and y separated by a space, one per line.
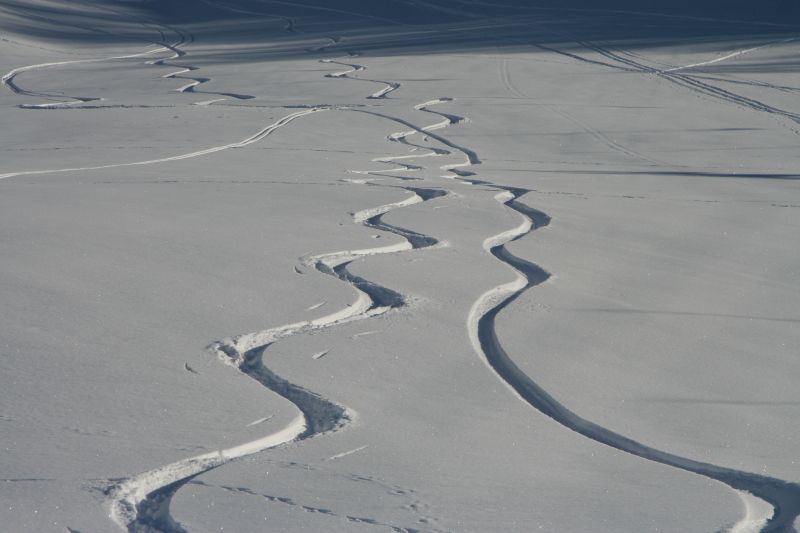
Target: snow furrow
9 79
782 496
214 149
141 504
388 86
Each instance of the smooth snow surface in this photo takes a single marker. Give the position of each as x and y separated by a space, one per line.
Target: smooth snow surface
412 266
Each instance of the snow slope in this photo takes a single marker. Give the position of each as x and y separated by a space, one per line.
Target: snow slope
409 266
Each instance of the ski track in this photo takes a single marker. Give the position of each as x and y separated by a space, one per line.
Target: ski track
505 77
9 79
730 55
672 75
690 82
194 81
388 86
289 23
261 134
141 503
782 496
696 85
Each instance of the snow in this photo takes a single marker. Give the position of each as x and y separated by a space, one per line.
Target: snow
432 266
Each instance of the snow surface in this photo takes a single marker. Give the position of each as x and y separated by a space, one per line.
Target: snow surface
445 265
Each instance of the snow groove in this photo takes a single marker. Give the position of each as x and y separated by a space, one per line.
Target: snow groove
9 79
783 496
261 134
194 81
388 86
141 504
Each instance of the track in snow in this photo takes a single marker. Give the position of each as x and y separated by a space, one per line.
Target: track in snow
9 80
388 86
783 496
259 135
141 503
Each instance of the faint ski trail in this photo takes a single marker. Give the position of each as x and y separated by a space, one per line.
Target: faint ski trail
345 454
289 22
261 134
731 55
505 77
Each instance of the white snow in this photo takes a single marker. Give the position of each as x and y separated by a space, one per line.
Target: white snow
582 315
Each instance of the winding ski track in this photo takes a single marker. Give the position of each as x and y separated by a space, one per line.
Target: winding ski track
141 503
10 81
61 101
194 81
388 86
783 496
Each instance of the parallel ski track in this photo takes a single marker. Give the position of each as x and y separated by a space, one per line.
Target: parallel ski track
672 75
505 78
259 135
696 84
